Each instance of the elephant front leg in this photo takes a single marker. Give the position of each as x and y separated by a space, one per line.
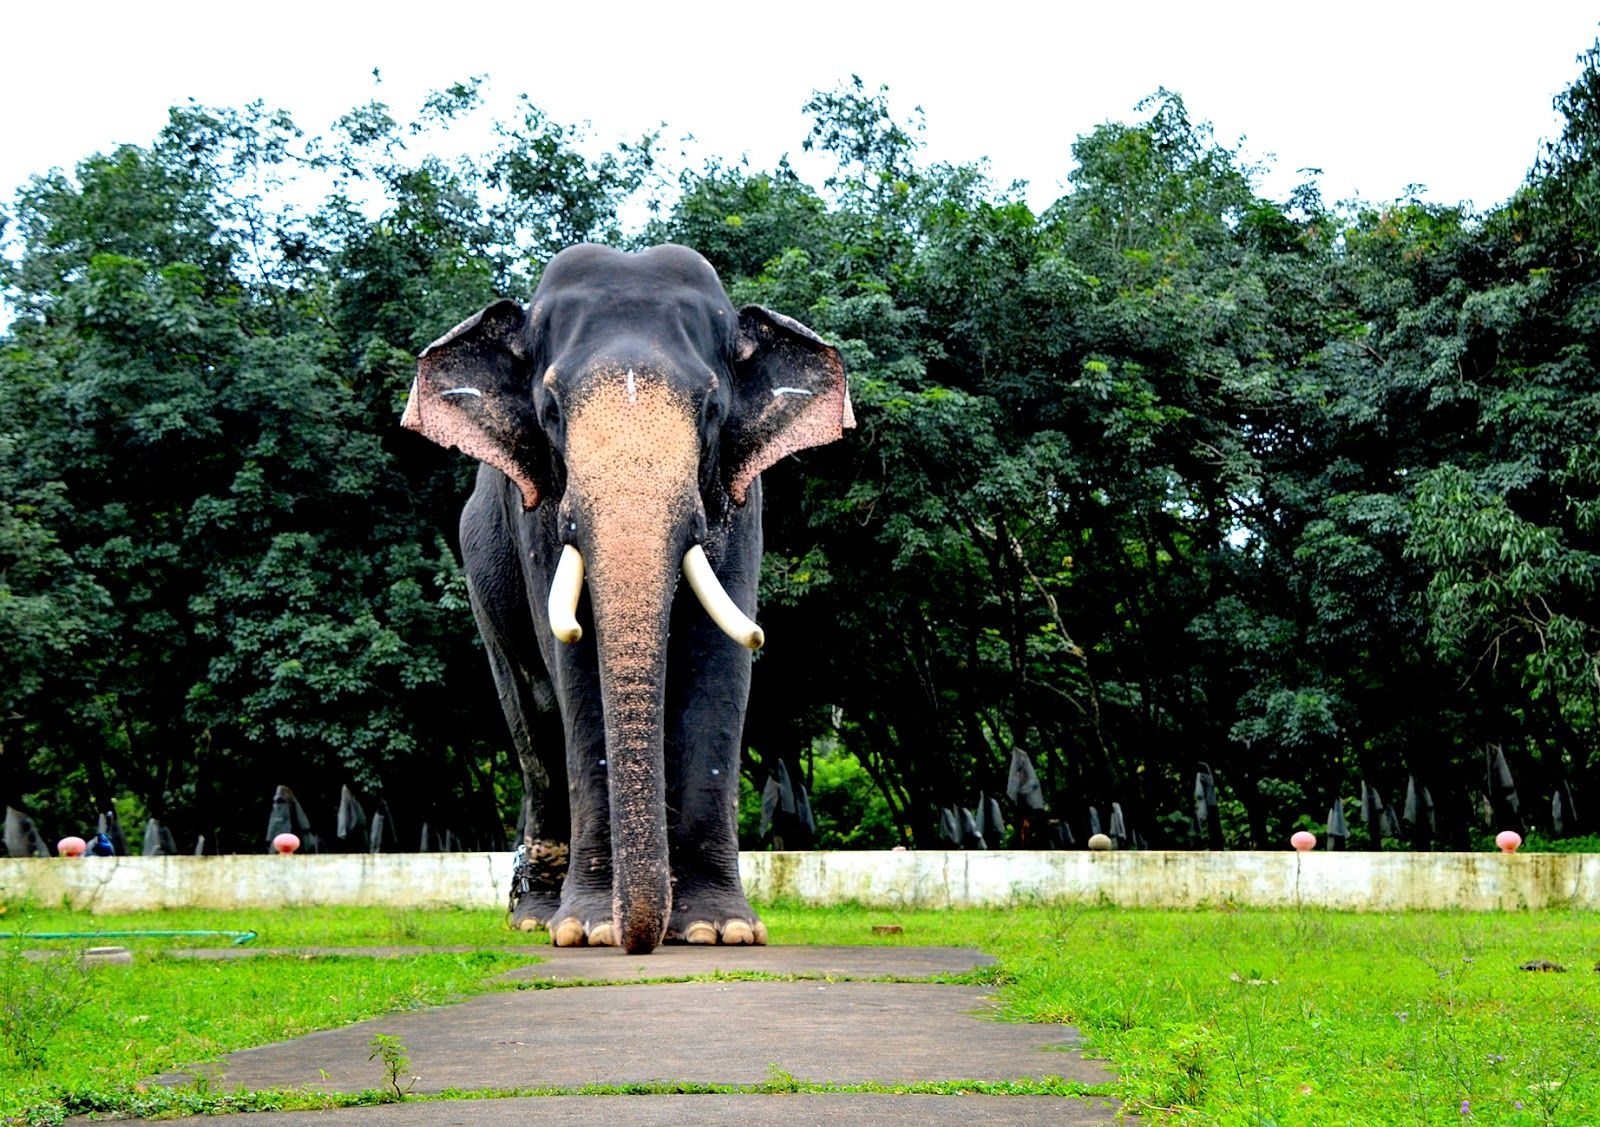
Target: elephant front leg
582 914
705 728
708 900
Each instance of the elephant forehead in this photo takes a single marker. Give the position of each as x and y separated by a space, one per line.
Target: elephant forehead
631 440
601 300
689 337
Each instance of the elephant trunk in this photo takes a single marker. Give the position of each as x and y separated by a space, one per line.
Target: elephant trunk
632 680
633 500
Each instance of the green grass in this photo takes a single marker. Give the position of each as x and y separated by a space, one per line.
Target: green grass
312 927
1209 1017
163 1014
1309 1017
1298 1017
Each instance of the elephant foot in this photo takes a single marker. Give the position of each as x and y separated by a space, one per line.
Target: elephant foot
571 932
533 911
583 919
537 872
725 919
731 933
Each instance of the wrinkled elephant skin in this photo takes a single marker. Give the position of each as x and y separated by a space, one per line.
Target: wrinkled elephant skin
622 419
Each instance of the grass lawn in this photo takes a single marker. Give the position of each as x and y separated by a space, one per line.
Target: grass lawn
1208 1017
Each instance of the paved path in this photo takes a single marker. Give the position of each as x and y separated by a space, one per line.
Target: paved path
610 964
806 1110
851 1018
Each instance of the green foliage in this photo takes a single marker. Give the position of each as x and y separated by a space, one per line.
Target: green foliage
36 997
850 810
221 565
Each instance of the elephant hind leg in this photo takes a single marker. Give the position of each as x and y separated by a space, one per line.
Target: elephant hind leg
540 870
537 874
541 865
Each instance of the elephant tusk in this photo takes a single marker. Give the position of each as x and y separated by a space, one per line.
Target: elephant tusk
564 591
733 621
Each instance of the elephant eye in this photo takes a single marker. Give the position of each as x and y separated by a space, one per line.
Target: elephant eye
550 414
547 406
711 412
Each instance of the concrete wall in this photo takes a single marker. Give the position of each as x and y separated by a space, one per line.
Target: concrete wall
1361 881
1171 879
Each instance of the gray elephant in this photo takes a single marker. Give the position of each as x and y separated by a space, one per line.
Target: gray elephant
622 420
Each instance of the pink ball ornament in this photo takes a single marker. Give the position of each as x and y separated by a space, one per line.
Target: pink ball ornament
1508 840
286 843
71 847
1303 841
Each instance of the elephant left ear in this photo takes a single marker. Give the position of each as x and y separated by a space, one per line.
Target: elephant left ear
789 394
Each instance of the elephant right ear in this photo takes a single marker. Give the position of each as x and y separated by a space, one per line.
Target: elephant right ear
790 394
472 392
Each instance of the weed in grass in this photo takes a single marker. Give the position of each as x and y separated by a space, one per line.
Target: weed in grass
396 1062
407 926
1192 1050
1252 1010
37 996
779 1082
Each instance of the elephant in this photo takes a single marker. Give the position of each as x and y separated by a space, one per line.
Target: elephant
622 420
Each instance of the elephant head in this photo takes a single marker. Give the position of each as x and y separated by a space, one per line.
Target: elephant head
634 402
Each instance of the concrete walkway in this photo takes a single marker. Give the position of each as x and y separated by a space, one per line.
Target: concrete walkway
807 1110
852 1015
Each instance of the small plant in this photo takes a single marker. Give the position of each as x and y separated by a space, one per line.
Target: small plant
1191 1047
778 1081
406 926
36 997
396 1062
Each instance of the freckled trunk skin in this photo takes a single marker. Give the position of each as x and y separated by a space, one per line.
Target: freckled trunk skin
633 453
632 688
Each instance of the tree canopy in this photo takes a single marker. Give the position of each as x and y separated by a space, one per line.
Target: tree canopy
1170 479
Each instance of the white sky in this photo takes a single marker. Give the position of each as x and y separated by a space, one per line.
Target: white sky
1378 95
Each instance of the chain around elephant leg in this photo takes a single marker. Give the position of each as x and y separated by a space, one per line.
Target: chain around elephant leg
537 872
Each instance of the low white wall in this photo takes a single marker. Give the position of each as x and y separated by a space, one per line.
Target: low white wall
130 884
923 879
1174 879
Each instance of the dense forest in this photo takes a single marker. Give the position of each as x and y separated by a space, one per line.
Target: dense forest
1179 489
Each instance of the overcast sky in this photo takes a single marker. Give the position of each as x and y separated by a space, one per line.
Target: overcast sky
1378 95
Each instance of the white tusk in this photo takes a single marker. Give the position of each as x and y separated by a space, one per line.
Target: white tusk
733 621
564 591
